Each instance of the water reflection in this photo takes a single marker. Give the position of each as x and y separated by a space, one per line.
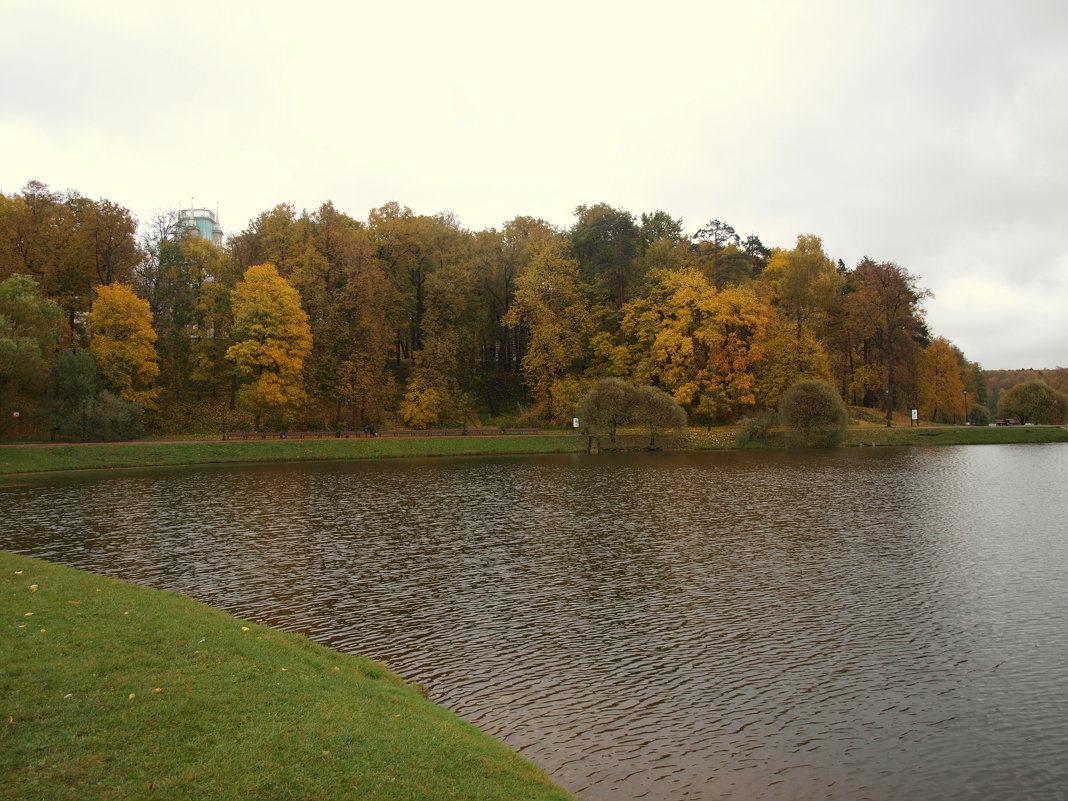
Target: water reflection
864 624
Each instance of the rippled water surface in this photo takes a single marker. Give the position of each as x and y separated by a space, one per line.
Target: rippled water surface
847 625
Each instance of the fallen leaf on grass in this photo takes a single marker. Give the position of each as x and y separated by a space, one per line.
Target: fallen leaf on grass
244 628
33 588
157 689
133 696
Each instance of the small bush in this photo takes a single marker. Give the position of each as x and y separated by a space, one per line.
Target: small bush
755 429
979 415
112 419
813 414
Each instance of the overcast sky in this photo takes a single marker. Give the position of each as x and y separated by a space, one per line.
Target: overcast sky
930 134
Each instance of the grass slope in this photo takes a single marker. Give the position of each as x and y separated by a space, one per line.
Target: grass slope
113 691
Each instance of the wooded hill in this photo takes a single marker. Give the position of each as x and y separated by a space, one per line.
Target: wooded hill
997 381
413 320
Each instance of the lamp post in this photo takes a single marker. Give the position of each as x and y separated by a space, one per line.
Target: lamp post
889 409
965 407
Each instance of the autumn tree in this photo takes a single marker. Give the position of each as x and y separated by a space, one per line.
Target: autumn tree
661 333
789 358
69 243
499 258
1033 402
736 341
434 394
124 343
361 334
884 312
699 344
942 397
410 248
551 309
275 237
272 339
803 281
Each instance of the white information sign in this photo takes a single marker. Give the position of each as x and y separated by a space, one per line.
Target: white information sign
915 414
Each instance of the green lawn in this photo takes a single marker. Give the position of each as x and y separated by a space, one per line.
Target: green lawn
47 458
113 691
955 435
16 460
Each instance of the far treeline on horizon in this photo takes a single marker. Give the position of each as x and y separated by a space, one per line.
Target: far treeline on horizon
321 321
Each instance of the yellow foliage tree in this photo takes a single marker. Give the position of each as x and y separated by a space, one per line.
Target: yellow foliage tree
699 344
124 343
272 340
734 336
549 303
804 282
790 358
942 396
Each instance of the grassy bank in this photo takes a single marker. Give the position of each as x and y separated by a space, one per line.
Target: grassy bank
867 435
956 435
114 691
18 460
47 458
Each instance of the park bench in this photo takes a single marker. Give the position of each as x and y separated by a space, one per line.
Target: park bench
249 434
288 434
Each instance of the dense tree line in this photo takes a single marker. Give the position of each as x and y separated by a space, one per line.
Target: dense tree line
320 320
998 381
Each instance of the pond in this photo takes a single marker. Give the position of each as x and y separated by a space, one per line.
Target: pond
853 624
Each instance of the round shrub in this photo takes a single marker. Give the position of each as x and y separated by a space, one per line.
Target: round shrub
813 414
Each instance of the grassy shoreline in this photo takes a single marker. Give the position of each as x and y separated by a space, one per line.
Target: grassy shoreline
18 460
23 459
111 690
